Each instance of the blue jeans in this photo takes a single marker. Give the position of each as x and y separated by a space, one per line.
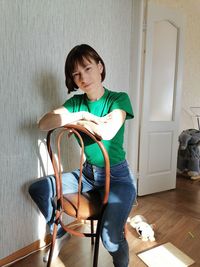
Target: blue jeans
121 198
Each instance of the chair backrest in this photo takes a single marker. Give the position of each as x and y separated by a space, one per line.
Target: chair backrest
70 129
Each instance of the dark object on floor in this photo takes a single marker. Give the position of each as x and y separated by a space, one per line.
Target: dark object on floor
189 152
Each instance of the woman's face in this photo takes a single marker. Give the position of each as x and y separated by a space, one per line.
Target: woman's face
88 76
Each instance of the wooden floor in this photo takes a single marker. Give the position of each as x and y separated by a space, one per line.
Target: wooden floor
175 213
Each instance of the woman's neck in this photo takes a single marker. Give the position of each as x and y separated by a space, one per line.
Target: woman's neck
96 94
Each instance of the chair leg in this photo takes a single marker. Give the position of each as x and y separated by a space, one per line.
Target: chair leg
92 231
96 248
55 229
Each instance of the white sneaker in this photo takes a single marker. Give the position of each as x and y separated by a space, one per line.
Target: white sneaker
60 242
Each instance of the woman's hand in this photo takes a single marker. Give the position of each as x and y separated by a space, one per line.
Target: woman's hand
89 125
104 127
86 116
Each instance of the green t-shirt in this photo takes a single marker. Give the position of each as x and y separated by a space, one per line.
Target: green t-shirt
107 103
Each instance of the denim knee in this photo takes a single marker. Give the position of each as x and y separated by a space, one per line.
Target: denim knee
36 189
110 240
42 187
33 190
117 247
42 192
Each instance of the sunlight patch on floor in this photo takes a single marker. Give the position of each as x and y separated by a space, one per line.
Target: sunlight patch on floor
58 262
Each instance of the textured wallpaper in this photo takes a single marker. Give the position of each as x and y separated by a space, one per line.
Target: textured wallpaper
191 77
35 38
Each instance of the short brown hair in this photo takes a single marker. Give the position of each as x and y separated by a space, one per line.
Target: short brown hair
77 55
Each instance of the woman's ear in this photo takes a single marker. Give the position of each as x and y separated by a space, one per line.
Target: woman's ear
100 66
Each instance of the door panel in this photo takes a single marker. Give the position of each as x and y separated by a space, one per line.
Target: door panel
159 152
161 100
163 70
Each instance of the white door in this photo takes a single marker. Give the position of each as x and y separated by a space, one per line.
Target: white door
160 110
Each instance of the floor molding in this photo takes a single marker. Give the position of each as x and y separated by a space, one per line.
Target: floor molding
39 244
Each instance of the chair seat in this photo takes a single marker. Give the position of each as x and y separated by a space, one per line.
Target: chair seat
89 208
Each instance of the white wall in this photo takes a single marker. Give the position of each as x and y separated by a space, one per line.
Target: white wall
35 38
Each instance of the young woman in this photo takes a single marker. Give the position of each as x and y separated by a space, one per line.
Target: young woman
103 112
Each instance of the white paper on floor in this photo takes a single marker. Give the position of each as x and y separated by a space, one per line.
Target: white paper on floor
165 255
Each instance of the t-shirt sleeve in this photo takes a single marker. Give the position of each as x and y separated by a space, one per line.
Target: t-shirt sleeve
69 104
122 101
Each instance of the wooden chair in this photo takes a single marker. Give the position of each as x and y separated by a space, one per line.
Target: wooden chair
78 205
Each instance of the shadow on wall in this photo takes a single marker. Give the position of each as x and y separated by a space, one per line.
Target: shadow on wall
49 90
53 96
48 96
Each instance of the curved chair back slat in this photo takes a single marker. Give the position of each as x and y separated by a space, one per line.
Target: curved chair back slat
77 204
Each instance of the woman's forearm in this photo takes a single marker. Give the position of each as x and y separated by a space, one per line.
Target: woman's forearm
61 117
53 120
106 126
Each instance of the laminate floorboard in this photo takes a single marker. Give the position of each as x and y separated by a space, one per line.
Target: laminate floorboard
175 214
